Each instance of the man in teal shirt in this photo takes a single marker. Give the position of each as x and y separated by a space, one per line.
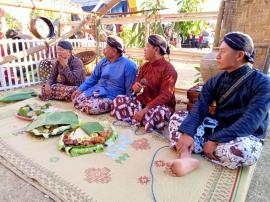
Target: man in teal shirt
113 75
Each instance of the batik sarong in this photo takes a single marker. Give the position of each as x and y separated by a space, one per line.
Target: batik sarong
124 108
58 92
242 151
92 105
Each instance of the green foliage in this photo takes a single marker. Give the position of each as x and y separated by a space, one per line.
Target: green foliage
35 13
135 36
128 36
198 75
187 6
155 27
12 22
47 14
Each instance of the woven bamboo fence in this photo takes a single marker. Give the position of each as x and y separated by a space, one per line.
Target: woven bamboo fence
251 17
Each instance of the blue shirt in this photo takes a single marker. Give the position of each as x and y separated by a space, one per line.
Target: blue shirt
111 79
244 113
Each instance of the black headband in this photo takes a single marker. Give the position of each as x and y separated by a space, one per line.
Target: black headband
116 43
159 41
242 42
65 45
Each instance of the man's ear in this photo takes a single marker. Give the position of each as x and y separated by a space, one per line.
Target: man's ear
157 49
115 51
241 55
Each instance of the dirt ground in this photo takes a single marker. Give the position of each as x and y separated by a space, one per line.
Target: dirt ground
14 189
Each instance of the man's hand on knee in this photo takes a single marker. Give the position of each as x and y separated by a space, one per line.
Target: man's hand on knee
185 144
209 149
47 90
75 94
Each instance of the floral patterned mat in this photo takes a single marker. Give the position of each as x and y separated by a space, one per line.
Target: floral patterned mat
121 173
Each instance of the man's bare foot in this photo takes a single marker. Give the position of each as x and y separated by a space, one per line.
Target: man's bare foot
182 166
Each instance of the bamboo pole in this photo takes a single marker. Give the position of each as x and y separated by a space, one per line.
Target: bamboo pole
219 22
146 29
35 49
43 6
162 17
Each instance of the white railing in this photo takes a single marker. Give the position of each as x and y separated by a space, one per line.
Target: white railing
25 71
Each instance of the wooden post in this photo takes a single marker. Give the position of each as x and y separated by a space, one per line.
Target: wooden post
146 29
218 25
97 25
59 27
267 62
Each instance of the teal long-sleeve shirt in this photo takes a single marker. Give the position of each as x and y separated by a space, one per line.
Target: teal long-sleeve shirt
111 79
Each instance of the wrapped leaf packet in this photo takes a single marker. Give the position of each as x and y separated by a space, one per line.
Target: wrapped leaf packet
88 138
53 123
33 110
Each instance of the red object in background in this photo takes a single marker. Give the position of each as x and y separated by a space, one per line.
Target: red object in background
193 94
119 28
2 51
200 40
1 47
2 12
6 76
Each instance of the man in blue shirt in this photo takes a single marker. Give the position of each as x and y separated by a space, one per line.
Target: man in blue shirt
113 75
233 136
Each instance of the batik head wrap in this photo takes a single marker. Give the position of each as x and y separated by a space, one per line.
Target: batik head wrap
115 42
242 42
159 41
65 45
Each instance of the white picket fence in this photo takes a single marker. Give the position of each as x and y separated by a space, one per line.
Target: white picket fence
25 71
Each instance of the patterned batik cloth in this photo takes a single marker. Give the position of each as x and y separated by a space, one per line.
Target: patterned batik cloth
242 151
59 92
124 108
92 105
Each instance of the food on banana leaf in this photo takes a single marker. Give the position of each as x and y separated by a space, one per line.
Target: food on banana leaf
53 123
52 130
90 137
30 112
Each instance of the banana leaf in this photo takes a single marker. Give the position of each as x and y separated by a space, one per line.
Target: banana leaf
54 118
33 110
91 127
77 151
14 97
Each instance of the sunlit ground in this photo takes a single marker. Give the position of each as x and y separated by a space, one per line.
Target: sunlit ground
186 75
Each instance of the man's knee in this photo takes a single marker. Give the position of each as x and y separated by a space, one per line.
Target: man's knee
239 153
119 100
